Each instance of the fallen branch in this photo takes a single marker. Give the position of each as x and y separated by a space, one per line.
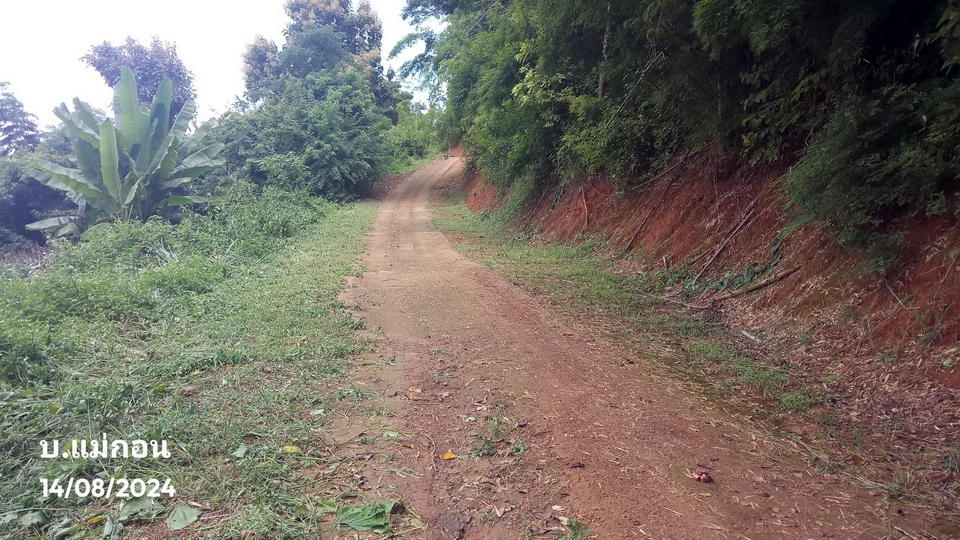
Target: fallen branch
947 273
670 169
759 285
654 211
904 306
747 216
586 212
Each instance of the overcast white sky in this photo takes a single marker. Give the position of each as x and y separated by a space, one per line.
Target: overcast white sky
41 43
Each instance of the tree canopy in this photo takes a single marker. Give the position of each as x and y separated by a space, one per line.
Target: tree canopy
18 128
149 64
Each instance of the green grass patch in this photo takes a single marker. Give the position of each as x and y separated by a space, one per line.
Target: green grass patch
221 335
583 277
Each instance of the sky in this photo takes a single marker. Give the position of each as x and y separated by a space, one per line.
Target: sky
42 42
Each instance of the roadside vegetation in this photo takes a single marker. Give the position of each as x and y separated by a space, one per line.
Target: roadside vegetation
585 278
162 280
655 314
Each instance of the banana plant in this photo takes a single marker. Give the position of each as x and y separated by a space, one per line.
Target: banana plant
131 166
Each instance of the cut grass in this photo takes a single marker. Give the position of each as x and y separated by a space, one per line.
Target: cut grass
243 361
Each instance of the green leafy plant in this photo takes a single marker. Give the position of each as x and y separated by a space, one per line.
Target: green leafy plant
131 166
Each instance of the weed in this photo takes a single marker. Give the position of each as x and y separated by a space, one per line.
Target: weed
352 392
518 447
800 400
490 437
576 531
890 355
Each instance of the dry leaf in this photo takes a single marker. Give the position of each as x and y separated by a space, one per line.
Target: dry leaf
449 455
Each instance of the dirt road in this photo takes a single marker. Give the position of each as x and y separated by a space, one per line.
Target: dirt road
551 422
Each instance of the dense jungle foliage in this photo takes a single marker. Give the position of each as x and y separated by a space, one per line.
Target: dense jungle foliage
862 97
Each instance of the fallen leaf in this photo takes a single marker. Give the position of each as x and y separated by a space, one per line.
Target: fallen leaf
182 517
449 455
290 449
374 517
97 519
240 452
143 508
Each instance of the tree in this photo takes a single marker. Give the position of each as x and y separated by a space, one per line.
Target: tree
150 65
131 166
322 135
18 128
322 33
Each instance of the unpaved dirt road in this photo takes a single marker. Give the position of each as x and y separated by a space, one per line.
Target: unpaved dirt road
577 429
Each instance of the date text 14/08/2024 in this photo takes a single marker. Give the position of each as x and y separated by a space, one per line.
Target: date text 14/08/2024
100 488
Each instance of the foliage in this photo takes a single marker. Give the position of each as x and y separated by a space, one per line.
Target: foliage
150 66
318 109
414 137
22 201
553 90
322 135
132 168
321 35
18 128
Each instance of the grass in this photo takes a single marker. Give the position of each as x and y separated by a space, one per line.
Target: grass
582 277
225 345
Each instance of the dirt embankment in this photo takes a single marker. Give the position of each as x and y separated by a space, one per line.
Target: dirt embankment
885 349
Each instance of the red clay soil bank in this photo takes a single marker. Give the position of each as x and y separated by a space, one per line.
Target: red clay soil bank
894 364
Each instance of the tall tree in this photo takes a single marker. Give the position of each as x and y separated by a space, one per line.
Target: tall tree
321 34
18 128
150 65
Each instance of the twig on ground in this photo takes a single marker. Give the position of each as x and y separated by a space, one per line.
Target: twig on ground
769 281
947 273
904 306
747 216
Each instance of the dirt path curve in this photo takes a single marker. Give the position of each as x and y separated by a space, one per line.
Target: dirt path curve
576 429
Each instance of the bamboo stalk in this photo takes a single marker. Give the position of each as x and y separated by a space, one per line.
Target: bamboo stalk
759 285
747 216
659 202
